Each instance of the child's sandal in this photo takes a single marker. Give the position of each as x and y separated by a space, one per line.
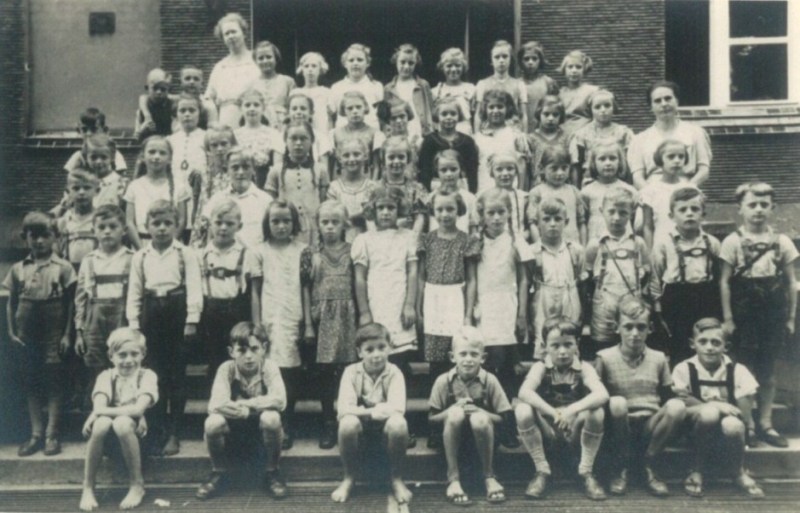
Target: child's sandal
693 484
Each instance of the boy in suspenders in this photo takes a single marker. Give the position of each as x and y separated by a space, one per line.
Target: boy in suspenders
77 238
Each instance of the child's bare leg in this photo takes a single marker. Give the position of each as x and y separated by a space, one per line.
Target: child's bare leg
662 425
705 419
349 430
94 454
271 431
483 430
745 404
125 429
452 440
591 435
531 437
733 431
215 428
396 435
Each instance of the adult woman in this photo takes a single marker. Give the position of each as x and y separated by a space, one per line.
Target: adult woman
663 99
233 74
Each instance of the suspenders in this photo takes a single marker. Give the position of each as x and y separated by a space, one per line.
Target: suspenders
695 382
221 273
538 270
104 279
181 268
481 402
114 397
619 254
753 252
360 388
76 236
695 253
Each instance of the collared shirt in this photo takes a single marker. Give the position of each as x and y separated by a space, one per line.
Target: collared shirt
253 204
567 376
126 390
571 196
697 268
496 400
358 388
77 238
161 272
656 195
188 153
638 382
743 381
732 252
39 281
558 266
266 386
97 263
225 285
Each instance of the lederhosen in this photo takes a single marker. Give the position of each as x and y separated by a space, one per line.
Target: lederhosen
244 438
220 315
73 237
684 303
695 382
111 445
103 315
561 394
467 449
759 307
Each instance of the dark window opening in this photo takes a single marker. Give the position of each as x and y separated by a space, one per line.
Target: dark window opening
687 49
759 72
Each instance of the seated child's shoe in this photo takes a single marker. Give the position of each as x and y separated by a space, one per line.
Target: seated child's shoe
216 484
412 441
749 486
593 489
288 441
52 446
275 485
435 441
619 485
327 439
774 438
32 446
751 439
508 439
537 488
693 484
655 486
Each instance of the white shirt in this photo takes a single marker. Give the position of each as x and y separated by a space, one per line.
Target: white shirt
253 204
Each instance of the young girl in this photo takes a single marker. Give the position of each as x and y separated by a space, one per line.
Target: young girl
448 113
354 108
299 180
671 156
502 57
352 189
329 309
498 135
603 107
555 162
575 66
448 167
277 298
301 109
504 168
154 181
532 62
397 118
397 154
120 397
274 86
188 158
549 115
312 66
412 89
263 141
356 60
453 65
219 139
606 166
446 295
502 296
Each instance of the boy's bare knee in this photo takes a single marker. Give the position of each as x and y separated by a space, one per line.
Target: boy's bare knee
101 426
396 425
732 427
708 415
123 425
524 414
596 416
675 409
618 407
269 420
349 425
480 421
455 416
215 424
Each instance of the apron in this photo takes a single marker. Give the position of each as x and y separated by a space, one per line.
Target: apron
443 309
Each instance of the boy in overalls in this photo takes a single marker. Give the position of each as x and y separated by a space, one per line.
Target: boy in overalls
76 234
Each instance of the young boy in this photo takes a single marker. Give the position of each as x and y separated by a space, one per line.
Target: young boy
685 271
92 121
759 299
372 401
246 400
469 401
102 289
39 315
121 396
156 116
637 378
225 284
719 397
75 227
562 398
165 300
192 82
618 263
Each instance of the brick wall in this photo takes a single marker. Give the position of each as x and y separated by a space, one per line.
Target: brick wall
12 96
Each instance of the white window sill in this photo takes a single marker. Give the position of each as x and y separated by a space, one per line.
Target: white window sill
745 119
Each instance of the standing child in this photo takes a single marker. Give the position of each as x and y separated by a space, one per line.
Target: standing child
671 156
39 316
247 397
165 300
470 402
277 299
120 398
549 115
759 298
562 399
448 113
505 172
98 154
354 107
685 284
453 65
618 265
154 115
575 94
537 83
188 155
498 135
719 397
449 170
301 109
397 154
329 309
93 122
412 89
191 78
606 168
263 140
299 180
555 164
372 403
312 66
274 86
356 60
353 187
76 236
502 58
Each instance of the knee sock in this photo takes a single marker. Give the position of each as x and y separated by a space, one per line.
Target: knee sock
272 442
532 440
590 444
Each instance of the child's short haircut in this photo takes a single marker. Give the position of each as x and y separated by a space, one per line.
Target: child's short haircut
38 222
407 49
245 154
534 46
398 141
93 118
618 150
242 331
468 335
109 211
188 96
97 141
461 206
226 207
551 100
83 175
564 325
447 101
162 207
394 194
269 45
450 154
502 43
490 195
234 17
353 141
357 47
632 307
384 109
554 155
619 196
658 156
756 189
313 56
705 324
372 331
121 336
685 194
553 206
451 55
220 129
293 212
579 56
603 93
298 93
501 95
349 95
500 156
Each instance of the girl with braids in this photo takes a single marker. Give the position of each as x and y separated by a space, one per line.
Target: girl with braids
218 141
154 181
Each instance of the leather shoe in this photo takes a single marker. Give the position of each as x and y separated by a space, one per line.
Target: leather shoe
288 441
619 485
52 446
537 488
32 446
216 483
327 439
275 485
655 486
593 489
774 438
